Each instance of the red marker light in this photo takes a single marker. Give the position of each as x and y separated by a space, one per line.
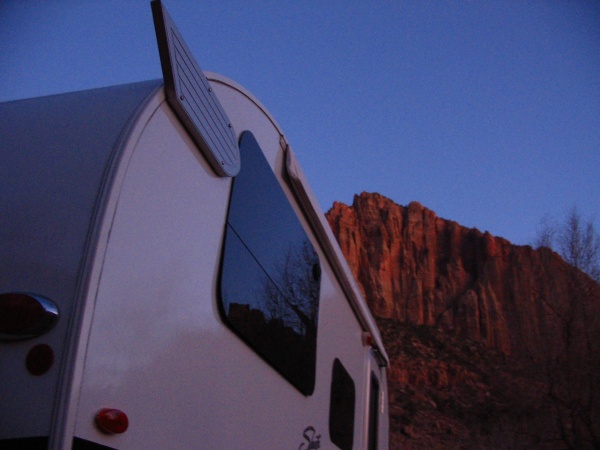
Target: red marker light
112 421
367 339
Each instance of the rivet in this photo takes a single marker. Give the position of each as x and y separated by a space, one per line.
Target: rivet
209 89
181 97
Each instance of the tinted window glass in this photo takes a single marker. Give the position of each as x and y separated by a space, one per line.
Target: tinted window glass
270 274
373 412
341 407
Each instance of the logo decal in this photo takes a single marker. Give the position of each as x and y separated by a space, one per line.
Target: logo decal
312 439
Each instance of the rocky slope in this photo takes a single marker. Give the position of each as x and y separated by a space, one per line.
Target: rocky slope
447 392
529 319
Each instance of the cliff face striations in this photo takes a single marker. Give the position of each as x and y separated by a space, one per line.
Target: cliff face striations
418 268
492 345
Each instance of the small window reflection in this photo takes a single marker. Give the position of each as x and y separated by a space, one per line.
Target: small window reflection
270 275
373 412
341 407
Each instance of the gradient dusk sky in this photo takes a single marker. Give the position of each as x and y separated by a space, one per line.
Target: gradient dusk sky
487 112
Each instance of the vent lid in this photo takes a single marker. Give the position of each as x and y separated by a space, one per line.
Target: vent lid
191 97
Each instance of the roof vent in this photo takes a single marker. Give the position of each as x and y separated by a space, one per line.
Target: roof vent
191 97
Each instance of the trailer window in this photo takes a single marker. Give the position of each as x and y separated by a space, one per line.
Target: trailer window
270 272
373 412
341 407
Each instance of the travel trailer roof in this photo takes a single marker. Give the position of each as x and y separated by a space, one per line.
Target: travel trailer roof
83 134
61 187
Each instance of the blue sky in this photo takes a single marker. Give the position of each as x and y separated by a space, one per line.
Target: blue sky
486 112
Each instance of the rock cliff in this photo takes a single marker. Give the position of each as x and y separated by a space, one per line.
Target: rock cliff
492 345
419 268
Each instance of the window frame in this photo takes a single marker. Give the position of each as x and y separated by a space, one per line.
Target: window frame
280 323
342 400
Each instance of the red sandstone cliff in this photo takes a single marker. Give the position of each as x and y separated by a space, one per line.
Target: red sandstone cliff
492 345
417 267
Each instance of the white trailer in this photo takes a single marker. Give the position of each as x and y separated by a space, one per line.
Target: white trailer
168 280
